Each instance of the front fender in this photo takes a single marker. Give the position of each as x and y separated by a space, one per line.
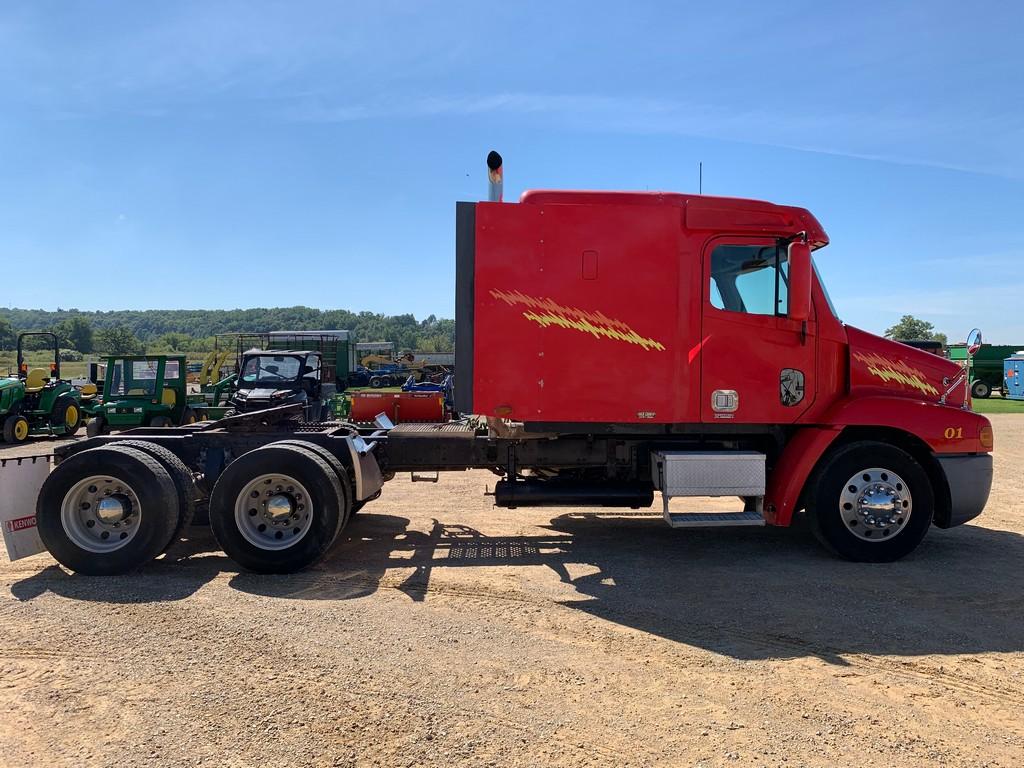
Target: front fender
946 430
11 393
943 428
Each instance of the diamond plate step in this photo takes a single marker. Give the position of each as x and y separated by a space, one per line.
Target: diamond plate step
713 519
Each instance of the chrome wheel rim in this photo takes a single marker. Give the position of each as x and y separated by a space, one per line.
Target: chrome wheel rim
273 512
875 504
101 514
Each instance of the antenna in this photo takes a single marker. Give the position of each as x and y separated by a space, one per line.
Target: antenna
700 178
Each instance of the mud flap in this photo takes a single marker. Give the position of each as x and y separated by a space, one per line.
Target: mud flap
20 481
364 464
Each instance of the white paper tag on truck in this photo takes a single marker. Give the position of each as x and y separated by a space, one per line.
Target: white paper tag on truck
20 481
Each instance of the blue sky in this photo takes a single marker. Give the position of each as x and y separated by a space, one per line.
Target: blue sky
163 155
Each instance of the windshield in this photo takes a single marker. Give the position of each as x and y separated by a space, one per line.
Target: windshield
270 369
139 377
824 290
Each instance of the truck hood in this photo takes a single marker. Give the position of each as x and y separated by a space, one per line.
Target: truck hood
260 393
9 381
882 365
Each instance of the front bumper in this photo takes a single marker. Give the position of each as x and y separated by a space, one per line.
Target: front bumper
969 479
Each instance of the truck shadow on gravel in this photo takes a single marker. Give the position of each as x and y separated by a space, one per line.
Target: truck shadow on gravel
744 593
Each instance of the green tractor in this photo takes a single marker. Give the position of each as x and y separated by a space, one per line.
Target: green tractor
143 391
37 401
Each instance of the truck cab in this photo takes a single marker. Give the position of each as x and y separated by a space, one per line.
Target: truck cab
698 328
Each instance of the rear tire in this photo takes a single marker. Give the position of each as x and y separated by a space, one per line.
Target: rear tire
100 541
277 509
870 502
981 390
348 502
181 476
66 413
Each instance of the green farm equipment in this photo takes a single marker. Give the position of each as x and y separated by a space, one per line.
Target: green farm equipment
143 391
37 401
986 366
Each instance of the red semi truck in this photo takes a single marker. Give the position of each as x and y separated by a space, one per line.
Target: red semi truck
611 345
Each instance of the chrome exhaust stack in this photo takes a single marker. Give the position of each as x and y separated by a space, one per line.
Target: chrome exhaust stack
494 177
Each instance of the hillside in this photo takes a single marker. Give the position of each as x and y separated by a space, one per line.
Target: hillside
430 334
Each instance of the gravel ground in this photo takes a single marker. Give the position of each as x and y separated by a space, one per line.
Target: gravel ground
441 632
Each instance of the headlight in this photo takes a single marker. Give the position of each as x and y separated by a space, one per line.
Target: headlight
280 393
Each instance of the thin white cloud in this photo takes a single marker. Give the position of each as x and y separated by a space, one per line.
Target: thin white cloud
786 128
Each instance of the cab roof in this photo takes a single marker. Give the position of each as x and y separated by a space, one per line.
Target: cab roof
280 352
699 211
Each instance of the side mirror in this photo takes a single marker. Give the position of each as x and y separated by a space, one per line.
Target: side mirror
974 342
799 281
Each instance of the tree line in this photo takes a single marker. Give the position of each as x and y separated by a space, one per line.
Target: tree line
192 330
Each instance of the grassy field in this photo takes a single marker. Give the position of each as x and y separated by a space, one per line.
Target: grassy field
998 405
69 370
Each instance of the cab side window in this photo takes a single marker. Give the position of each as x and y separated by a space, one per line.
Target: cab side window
749 278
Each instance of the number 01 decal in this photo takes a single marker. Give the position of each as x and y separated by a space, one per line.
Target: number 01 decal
954 433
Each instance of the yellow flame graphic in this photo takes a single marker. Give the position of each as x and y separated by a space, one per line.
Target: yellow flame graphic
889 370
546 312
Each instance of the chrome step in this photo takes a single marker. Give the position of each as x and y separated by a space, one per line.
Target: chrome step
713 519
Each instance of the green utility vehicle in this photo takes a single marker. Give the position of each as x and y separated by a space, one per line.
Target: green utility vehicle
143 391
37 401
269 378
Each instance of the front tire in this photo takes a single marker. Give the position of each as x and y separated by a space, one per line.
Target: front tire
107 511
16 429
981 390
870 502
161 421
277 509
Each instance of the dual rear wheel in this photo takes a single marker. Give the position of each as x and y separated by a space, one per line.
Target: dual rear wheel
279 508
107 510
112 509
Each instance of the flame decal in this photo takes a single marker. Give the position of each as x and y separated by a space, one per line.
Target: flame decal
888 370
546 312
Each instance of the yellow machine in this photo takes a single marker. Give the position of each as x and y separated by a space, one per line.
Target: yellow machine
210 373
